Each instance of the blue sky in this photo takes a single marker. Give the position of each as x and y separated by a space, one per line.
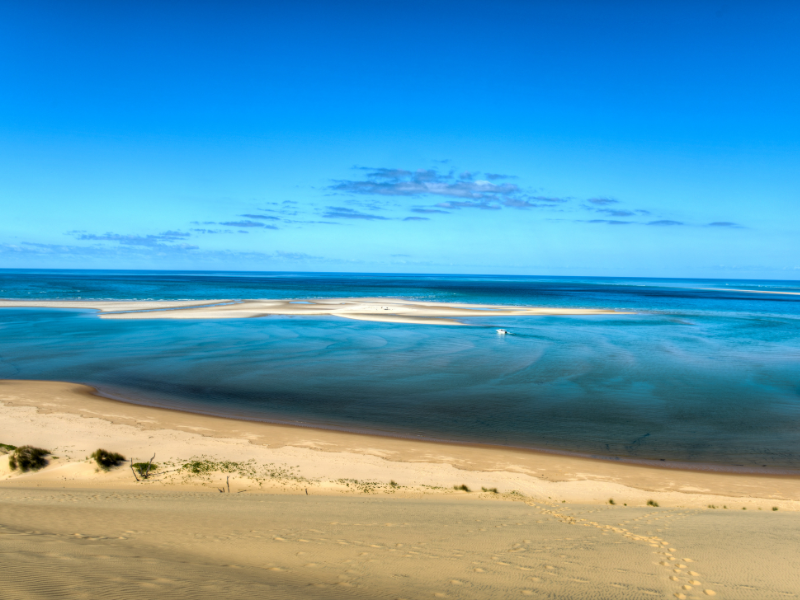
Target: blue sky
564 138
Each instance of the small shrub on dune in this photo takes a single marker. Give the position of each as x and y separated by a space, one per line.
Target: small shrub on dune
652 503
106 460
6 448
28 458
611 501
145 469
492 490
462 487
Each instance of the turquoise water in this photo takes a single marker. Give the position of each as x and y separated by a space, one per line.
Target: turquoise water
697 376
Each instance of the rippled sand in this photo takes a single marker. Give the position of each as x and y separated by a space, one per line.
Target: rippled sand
171 544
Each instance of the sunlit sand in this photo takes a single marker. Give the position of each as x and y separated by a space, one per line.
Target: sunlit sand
237 507
364 309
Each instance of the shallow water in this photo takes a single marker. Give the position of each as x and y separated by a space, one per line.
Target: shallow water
696 375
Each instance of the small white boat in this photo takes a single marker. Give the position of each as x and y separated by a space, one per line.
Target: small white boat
502 332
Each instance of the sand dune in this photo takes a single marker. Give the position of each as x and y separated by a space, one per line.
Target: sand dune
174 544
328 514
366 309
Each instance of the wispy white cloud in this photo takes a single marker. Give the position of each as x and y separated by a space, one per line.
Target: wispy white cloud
263 217
465 190
341 212
164 239
99 251
666 223
427 211
247 223
725 224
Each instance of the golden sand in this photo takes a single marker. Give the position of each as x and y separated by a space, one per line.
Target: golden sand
315 514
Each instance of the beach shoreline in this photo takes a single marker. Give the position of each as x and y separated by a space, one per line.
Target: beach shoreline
428 439
72 420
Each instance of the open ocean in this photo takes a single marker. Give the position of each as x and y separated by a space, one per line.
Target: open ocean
698 376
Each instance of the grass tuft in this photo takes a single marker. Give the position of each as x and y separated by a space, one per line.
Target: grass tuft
394 484
652 503
6 448
774 508
463 487
105 459
611 501
28 458
492 490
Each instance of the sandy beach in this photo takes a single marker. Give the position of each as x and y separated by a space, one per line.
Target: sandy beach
388 310
323 513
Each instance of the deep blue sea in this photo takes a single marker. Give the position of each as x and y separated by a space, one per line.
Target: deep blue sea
698 375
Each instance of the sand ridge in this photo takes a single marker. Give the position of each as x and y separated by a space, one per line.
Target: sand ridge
391 310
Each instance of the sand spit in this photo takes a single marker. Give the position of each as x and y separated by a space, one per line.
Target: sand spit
751 291
366 309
